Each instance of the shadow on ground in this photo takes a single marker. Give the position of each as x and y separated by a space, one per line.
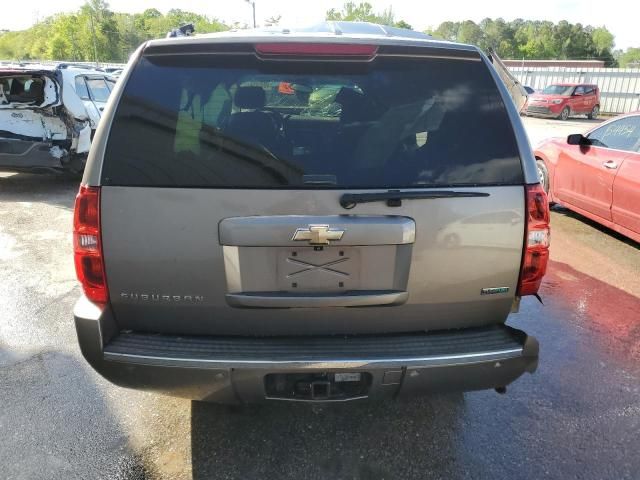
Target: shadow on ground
354 441
53 189
559 209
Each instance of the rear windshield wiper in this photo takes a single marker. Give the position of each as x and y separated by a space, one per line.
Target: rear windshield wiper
394 197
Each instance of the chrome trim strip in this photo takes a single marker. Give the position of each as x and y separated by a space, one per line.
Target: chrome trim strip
381 297
432 361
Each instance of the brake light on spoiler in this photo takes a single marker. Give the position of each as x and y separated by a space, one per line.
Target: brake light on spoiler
87 244
316 49
536 242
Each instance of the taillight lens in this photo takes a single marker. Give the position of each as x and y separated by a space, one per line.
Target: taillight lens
87 244
537 239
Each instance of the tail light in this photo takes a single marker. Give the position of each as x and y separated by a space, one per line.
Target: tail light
87 244
536 244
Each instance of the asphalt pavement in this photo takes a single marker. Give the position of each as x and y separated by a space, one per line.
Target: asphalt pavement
578 416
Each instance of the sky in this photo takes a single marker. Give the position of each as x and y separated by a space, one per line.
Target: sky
621 17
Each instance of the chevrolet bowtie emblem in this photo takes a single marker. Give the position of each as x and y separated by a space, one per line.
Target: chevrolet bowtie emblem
317 234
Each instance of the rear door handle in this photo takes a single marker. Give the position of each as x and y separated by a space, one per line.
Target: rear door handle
610 164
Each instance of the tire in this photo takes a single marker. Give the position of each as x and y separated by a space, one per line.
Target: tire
543 174
595 111
564 114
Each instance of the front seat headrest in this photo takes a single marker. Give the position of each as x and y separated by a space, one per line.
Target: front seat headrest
250 97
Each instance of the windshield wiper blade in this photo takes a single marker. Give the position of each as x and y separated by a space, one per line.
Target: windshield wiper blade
394 197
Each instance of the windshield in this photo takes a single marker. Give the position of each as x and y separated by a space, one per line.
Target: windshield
558 90
235 122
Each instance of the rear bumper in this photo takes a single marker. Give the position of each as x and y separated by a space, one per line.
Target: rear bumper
233 369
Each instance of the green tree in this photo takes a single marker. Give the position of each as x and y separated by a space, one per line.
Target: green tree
403 24
363 12
602 40
94 32
532 39
469 32
447 31
630 58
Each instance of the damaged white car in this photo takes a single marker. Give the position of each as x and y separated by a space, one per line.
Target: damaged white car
48 114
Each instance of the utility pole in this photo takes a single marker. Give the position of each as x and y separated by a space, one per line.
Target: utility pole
93 37
253 5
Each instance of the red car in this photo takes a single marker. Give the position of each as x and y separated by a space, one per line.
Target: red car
597 174
561 100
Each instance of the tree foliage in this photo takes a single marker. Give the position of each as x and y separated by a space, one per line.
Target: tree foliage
533 39
95 33
630 58
363 12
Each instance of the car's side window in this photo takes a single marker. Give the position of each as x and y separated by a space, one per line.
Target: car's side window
110 83
98 88
623 134
81 88
579 91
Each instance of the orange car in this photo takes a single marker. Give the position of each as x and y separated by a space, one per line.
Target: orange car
597 174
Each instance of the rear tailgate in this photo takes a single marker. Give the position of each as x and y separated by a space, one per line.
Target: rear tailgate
222 214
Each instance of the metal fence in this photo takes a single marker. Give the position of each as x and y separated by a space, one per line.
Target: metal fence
619 87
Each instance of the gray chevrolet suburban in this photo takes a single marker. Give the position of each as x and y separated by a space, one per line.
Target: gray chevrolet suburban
344 212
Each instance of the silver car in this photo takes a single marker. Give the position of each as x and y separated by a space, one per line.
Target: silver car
341 213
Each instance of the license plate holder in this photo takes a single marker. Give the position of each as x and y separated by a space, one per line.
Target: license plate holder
323 269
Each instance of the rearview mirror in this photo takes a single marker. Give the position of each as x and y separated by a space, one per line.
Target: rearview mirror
578 139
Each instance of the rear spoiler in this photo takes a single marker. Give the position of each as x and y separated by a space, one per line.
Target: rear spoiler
514 87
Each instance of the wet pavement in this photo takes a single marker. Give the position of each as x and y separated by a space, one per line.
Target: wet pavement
578 416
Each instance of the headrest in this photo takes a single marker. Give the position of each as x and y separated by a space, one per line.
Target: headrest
250 97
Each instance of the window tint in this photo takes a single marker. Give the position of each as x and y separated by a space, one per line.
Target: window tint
99 90
623 134
558 90
207 121
579 91
81 88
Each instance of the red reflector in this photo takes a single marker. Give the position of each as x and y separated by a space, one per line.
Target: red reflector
536 241
87 244
326 49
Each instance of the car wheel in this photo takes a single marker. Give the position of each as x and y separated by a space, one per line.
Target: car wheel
564 114
543 174
595 111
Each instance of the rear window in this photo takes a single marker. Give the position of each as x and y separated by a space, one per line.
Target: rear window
240 122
